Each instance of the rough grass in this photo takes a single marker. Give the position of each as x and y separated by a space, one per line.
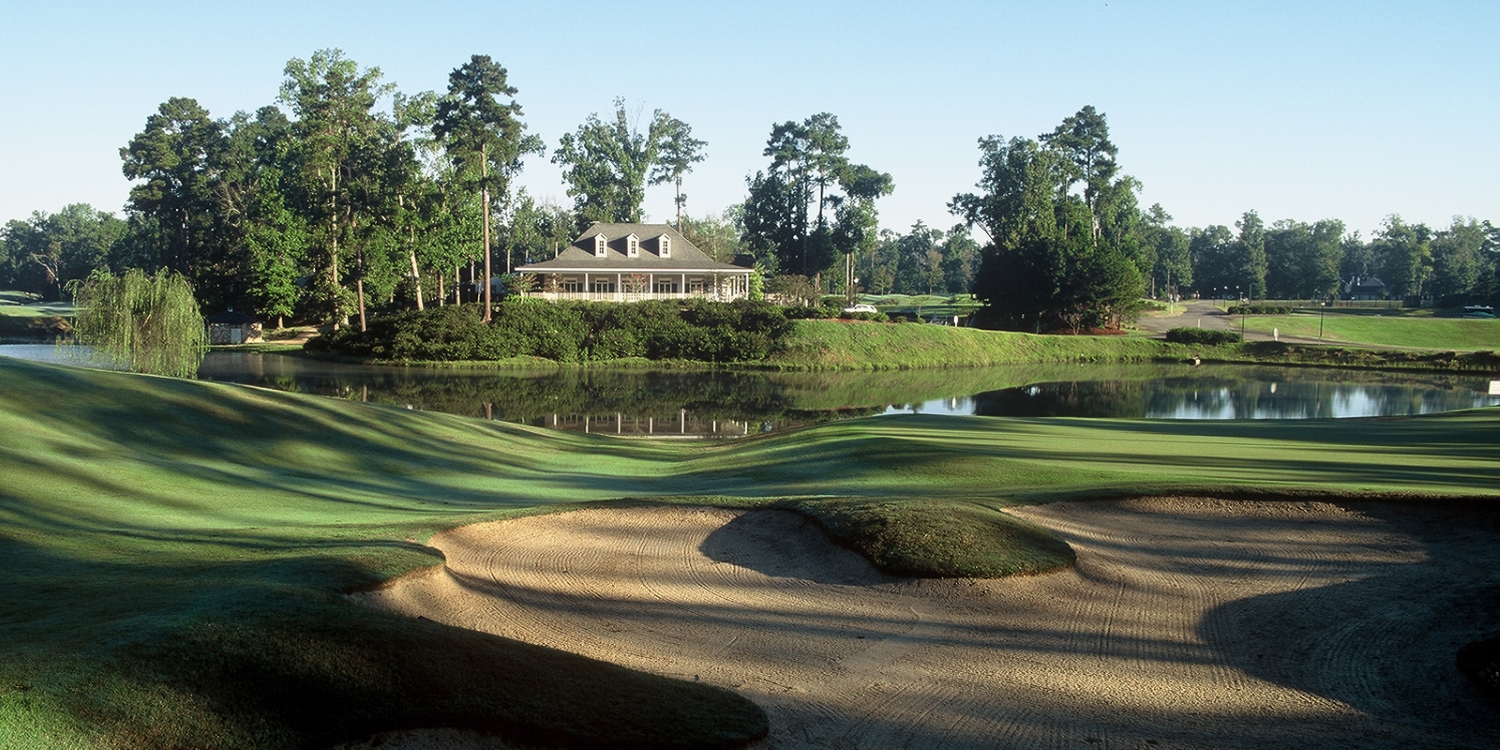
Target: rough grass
173 552
938 537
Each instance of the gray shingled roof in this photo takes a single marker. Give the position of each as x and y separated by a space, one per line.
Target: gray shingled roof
579 256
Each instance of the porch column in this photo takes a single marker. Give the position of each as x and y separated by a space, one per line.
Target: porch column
588 291
619 287
682 290
650 286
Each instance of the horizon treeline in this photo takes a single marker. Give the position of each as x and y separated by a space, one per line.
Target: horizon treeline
347 196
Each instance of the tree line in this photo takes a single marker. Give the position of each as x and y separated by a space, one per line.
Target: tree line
328 203
347 195
1069 247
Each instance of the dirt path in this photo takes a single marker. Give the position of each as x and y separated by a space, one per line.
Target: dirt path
1188 314
1187 623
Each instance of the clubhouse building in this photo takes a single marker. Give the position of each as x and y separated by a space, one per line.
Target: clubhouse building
633 262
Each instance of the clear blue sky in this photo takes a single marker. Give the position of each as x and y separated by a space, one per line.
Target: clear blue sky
1300 110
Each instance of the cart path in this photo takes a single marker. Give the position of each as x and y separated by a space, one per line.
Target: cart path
1187 623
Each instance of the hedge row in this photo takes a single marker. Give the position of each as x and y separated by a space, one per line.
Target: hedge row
1259 310
1202 336
570 332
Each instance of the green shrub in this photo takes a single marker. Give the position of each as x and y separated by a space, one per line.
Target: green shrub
1259 310
811 313
571 332
873 317
1202 336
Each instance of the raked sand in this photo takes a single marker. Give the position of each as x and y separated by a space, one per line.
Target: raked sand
1187 623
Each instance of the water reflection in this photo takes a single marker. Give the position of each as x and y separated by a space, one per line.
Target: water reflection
1256 393
656 403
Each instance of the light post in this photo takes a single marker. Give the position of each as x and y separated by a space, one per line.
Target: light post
1322 306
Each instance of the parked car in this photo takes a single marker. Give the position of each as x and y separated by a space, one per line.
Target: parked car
860 308
1479 311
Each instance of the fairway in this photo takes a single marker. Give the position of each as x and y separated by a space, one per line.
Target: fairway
177 550
1373 330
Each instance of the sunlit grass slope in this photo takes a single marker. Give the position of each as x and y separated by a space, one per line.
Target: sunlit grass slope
172 553
831 344
172 556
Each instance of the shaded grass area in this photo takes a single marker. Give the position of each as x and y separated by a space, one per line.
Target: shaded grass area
24 317
173 552
1480 662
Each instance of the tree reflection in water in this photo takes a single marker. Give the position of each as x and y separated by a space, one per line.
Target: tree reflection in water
730 403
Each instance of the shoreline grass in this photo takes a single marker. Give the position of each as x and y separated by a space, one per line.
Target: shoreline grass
176 551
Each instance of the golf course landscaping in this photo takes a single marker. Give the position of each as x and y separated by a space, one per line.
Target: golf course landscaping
178 554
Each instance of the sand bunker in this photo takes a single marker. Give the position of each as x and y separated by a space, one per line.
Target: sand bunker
1186 623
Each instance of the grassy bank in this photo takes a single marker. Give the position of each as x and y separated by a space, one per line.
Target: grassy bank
835 345
24 318
174 551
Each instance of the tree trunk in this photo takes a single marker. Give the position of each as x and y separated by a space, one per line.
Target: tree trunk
359 281
333 261
359 287
484 205
416 276
442 293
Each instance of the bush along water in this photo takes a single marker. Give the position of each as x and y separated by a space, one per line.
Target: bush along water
1207 336
738 331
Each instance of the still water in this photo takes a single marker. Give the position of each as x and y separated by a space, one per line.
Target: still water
670 403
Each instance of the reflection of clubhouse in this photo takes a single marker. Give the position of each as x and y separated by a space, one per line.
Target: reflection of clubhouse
631 262
683 426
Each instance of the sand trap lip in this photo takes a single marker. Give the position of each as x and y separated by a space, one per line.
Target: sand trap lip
1186 623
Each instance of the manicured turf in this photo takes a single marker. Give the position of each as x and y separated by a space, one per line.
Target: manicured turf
173 552
1375 330
922 304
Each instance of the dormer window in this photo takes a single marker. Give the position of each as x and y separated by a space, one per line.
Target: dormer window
632 246
601 245
664 246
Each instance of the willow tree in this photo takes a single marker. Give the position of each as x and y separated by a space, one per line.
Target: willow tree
149 324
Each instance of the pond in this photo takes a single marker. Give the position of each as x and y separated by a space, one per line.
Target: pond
724 403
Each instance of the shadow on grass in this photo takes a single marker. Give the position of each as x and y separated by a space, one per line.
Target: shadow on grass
245 653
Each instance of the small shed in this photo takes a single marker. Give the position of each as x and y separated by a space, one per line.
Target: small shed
230 327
